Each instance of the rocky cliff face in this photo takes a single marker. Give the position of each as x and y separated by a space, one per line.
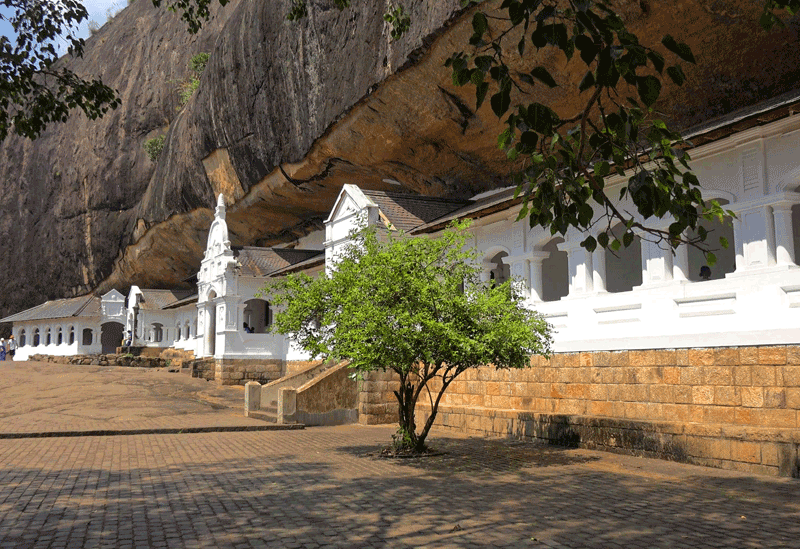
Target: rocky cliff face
330 100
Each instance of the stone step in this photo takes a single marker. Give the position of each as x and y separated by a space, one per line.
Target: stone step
263 415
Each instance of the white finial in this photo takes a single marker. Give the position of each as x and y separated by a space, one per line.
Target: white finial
220 211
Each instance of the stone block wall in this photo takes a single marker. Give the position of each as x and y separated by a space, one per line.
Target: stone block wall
240 371
104 360
376 401
203 368
734 407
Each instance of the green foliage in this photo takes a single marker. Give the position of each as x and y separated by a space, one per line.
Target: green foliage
154 146
197 64
399 20
397 304
569 162
37 91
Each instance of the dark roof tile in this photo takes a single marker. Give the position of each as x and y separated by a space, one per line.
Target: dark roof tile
60 308
258 262
407 211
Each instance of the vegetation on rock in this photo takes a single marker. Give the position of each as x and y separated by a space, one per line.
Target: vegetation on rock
413 305
197 64
154 146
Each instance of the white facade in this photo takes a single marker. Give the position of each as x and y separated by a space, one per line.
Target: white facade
227 300
649 298
160 327
90 331
641 297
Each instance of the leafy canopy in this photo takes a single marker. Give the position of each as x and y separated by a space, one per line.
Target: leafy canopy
34 90
399 303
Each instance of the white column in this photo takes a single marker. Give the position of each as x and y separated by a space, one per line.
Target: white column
486 271
599 269
680 264
784 237
738 237
581 270
657 264
536 275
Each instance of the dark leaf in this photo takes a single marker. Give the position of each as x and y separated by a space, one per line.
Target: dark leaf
541 74
587 82
678 48
649 88
676 74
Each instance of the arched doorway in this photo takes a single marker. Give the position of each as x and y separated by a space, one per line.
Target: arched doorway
500 272
111 337
623 267
158 332
726 257
555 272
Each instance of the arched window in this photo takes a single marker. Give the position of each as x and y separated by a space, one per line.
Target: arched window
726 257
47 339
22 338
71 339
555 272
186 334
623 267
158 332
36 337
59 336
257 315
500 271
87 336
177 332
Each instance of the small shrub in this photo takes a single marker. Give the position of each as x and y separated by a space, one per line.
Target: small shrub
186 90
93 26
154 146
197 64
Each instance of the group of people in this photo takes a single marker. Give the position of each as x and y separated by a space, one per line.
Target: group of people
8 347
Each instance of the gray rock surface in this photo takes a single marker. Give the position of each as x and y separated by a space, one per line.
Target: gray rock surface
331 100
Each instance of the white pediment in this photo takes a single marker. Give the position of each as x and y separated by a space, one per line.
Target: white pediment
351 200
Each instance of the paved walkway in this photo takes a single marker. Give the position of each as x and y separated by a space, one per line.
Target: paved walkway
39 398
326 487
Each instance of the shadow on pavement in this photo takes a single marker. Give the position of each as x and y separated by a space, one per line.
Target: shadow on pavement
301 493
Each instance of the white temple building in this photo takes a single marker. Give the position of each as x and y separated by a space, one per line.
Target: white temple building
643 296
76 326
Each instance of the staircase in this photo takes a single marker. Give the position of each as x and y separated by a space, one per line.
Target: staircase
270 393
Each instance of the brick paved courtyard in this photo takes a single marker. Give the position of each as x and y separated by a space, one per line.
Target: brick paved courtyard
325 487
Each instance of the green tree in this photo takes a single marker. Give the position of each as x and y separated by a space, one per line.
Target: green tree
399 303
35 90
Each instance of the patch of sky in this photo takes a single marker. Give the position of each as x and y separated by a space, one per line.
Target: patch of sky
99 12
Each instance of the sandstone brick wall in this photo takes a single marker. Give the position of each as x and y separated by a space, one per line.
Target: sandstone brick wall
240 371
376 401
735 407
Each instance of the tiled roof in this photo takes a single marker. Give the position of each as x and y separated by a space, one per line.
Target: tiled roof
60 308
407 211
155 300
474 209
181 302
308 263
260 262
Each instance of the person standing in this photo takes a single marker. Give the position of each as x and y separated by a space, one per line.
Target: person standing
11 347
2 349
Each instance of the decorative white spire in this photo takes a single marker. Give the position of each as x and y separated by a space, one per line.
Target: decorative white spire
220 211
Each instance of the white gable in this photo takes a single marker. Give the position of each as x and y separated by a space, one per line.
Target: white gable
112 306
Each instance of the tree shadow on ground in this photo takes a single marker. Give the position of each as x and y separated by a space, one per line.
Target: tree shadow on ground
307 489
480 455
